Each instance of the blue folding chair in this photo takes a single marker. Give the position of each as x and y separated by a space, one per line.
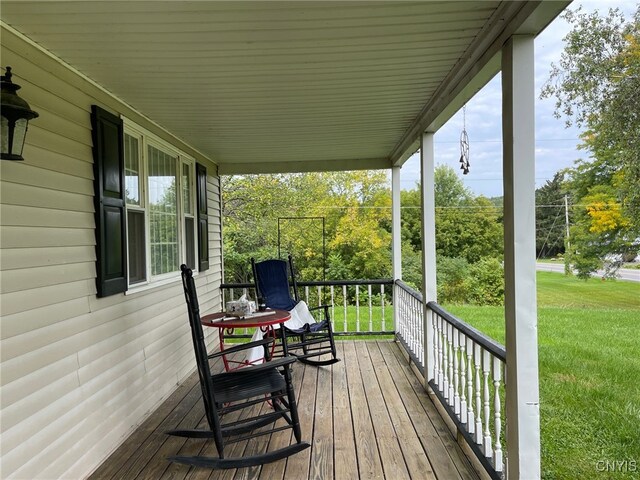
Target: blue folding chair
313 343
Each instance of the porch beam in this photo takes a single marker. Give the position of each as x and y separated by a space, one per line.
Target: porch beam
518 131
268 165
429 292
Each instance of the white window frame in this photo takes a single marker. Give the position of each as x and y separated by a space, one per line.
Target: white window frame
145 140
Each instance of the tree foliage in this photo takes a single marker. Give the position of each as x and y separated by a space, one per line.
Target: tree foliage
550 217
596 85
468 233
466 226
355 206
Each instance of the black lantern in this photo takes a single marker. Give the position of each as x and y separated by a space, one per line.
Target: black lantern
16 114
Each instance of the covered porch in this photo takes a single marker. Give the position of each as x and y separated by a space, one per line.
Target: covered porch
223 88
367 416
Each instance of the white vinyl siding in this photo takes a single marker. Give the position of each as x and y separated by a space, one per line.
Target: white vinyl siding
78 373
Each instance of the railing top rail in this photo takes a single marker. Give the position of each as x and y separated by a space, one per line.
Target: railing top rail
325 283
496 349
236 285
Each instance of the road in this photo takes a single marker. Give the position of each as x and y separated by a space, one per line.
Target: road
628 274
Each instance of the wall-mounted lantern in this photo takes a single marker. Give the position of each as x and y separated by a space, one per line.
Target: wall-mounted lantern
16 114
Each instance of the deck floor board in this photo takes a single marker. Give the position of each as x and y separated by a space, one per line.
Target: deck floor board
367 416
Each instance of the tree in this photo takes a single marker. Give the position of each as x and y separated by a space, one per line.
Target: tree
411 217
596 85
550 217
600 228
468 230
449 190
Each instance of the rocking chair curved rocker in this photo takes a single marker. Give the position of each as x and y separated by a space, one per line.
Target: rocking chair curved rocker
310 341
228 394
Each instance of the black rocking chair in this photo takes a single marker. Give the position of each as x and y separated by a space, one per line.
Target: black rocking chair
229 393
313 339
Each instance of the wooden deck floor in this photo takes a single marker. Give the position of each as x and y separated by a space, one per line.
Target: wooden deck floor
367 416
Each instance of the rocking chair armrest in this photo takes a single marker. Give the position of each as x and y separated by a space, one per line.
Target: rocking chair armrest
271 364
242 346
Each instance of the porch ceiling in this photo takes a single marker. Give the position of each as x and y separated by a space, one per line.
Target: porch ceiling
286 86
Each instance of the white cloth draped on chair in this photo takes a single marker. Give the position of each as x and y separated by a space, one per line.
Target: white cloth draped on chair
300 316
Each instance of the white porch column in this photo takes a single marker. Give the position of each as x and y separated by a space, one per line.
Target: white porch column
396 234
518 131
427 170
396 225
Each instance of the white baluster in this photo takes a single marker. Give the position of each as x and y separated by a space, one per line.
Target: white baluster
456 371
370 309
417 306
411 322
384 322
306 295
441 360
477 363
497 446
421 336
399 298
463 379
445 350
451 395
344 304
406 319
408 306
319 291
470 416
436 360
333 308
486 367
357 308
414 327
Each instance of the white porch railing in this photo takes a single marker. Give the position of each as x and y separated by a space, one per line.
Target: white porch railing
469 369
356 307
409 322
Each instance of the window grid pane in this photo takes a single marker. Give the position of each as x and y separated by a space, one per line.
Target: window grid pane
163 211
137 249
132 170
187 194
189 236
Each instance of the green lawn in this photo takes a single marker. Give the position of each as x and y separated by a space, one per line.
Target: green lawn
589 354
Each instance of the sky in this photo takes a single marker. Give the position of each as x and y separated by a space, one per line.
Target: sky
556 145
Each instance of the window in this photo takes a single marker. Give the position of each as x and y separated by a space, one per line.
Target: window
160 203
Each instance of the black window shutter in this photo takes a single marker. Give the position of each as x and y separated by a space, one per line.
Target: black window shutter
110 216
203 218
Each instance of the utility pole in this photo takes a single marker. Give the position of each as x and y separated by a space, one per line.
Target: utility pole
566 217
567 248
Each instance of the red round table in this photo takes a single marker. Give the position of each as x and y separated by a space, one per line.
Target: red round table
265 321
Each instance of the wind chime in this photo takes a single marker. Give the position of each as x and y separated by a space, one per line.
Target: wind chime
464 144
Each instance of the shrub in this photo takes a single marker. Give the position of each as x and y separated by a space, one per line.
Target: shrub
486 282
453 280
